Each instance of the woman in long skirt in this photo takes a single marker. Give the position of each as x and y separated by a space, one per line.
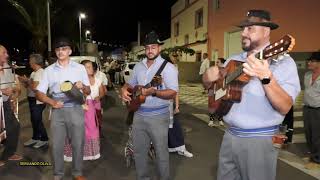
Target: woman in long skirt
92 139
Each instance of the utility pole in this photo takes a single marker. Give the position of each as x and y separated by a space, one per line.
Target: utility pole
49 31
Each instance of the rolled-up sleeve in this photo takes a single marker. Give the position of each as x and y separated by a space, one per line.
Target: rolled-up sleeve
44 82
289 79
170 77
85 78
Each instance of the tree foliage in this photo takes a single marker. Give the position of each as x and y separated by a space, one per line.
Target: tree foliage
173 51
34 19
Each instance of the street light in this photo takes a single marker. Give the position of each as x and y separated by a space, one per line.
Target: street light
87 33
81 16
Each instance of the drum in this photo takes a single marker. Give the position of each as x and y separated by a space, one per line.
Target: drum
72 91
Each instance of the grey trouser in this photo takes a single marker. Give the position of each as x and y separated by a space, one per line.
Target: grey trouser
146 129
67 122
247 158
312 127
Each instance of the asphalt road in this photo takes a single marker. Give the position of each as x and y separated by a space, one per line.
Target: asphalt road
201 140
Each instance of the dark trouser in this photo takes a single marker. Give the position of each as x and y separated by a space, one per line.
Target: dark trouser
176 138
39 131
112 74
288 120
13 131
312 126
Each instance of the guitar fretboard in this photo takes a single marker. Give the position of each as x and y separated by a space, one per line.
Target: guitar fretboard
234 74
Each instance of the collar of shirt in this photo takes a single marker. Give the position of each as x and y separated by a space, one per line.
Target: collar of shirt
38 70
57 65
144 62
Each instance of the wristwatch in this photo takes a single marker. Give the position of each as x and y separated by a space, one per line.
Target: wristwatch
265 80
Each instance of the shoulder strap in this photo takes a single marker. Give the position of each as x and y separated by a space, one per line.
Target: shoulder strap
157 74
161 68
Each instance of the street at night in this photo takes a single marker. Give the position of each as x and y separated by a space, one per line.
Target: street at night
159 90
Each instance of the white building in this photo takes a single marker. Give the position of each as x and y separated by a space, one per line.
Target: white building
189 27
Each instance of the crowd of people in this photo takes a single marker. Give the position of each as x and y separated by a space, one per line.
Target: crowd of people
74 93
113 69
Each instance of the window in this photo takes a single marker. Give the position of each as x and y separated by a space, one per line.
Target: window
187 2
198 56
216 4
176 29
199 18
186 39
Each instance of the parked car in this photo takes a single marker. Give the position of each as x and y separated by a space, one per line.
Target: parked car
127 70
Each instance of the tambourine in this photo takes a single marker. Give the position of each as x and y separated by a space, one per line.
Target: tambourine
72 91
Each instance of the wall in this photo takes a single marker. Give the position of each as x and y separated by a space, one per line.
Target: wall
295 17
185 15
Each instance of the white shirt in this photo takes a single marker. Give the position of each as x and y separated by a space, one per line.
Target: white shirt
205 64
94 89
102 77
36 77
106 67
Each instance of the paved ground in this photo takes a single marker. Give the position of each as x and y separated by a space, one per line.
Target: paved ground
202 140
295 154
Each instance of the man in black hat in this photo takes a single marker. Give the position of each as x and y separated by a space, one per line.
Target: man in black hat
247 150
67 114
151 120
311 110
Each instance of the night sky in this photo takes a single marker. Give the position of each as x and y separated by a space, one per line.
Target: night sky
110 21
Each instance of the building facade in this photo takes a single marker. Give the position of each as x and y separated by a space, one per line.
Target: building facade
189 27
297 18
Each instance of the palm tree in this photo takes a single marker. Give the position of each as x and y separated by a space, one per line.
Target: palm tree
34 19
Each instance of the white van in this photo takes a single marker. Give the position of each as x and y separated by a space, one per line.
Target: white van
78 59
127 70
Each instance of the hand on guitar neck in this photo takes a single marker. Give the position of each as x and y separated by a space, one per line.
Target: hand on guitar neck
256 68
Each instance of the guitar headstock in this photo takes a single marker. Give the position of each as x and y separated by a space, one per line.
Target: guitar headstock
156 81
280 47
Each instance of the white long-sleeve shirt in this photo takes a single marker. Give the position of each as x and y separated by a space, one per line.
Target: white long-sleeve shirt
205 64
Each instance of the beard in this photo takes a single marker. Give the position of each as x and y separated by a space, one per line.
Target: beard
152 57
248 45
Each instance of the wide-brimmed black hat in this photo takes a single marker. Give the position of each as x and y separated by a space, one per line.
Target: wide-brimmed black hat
152 38
258 18
62 42
315 56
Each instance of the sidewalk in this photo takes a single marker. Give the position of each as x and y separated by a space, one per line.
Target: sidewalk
294 155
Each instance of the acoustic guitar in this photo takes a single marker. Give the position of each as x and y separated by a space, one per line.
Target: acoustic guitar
228 89
136 94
